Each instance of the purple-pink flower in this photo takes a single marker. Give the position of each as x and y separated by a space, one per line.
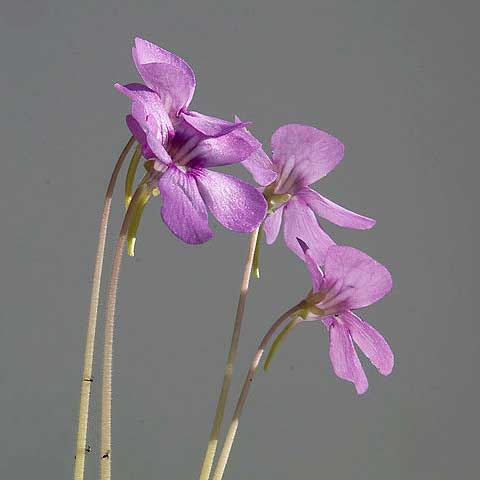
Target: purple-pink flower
350 280
185 144
301 155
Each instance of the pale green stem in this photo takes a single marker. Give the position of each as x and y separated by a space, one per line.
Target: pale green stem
106 416
227 446
227 376
86 385
276 343
256 255
130 177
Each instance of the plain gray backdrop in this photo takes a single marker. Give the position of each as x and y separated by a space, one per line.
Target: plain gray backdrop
398 83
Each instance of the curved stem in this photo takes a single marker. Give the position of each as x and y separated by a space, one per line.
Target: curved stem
227 376
86 384
227 446
105 446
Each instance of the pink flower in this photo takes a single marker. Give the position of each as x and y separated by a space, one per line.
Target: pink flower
350 280
186 145
301 155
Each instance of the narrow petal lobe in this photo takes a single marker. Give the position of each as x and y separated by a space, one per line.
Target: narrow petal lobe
372 344
334 213
272 225
344 358
211 126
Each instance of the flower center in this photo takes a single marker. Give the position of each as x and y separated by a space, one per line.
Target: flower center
275 200
183 149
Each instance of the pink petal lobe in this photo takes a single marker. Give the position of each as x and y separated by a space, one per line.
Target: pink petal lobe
334 213
171 85
148 111
372 344
302 155
344 358
225 150
272 224
211 126
183 210
314 269
258 163
353 279
236 204
179 80
300 222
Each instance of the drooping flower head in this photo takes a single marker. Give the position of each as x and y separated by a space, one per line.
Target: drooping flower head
185 145
350 280
301 155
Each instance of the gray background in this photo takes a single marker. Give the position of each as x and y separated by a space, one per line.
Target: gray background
398 82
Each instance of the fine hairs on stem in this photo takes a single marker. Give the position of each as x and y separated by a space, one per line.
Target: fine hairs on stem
232 430
227 376
106 416
86 385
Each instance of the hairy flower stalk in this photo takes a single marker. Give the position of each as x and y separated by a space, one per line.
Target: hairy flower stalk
86 385
232 354
106 416
232 430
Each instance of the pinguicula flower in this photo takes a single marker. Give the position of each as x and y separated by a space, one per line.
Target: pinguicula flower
185 145
350 280
301 155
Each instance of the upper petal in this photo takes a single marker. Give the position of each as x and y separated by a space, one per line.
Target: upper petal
300 222
345 362
272 224
148 111
236 204
302 155
211 126
183 209
166 73
353 279
372 344
334 213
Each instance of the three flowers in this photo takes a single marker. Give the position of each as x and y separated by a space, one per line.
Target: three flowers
182 148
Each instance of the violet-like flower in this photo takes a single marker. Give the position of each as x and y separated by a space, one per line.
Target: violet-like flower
185 145
301 155
350 280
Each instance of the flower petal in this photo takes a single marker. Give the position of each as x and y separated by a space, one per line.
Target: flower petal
148 111
258 163
302 155
344 358
272 224
166 73
211 126
372 344
140 136
224 150
313 267
353 279
236 204
260 166
334 213
183 210
300 222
